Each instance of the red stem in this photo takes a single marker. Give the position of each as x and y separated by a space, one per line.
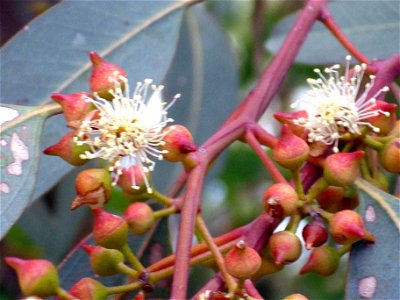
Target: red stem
251 290
327 19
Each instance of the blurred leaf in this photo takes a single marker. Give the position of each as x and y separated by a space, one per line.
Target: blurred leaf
51 54
373 26
373 268
20 136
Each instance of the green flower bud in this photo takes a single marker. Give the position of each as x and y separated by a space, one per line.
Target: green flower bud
139 217
89 289
104 261
342 169
285 247
323 261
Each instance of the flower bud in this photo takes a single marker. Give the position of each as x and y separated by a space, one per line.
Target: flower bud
280 200
285 247
290 120
323 260
178 142
104 261
93 187
314 234
268 266
241 261
347 227
342 169
36 277
88 289
390 155
385 120
68 150
296 296
109 231
336 198
104 76
75 106
132 182
139 217
290 151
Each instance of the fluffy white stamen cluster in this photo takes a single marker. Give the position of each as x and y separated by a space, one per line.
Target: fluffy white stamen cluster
128 130
336 108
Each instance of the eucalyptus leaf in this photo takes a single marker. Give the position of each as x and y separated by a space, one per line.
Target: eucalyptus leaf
374 268
51 55
20 137
373 27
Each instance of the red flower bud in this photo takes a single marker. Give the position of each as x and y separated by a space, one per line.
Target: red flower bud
75 106
336 198
178 142
285 247
139 217
241 261
295 297
383 121
89 289
131 181
390 155
36 277
104 261
109 231
314 234
323 261
347 227
288 118
342 169
290 151
93 187
280 200
104 76
68 150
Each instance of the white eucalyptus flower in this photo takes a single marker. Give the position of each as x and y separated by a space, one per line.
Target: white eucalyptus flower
335 108
127 130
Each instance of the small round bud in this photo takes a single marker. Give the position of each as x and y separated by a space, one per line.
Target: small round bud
390 155
241 261
336 198
88 289
280 200
290 151
93 187
132 182
295 297
109 231
36 277
342 169
104 261
385 120
68 150
323 260
178 142
104 76
290 120
347 227
75 106
139 217
285 247
314 234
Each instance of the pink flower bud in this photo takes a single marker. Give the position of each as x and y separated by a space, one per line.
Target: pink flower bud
139 217
36 277
241 261
290 151
280 200
288 118
336 198
385 120
342 169
75 107
132 182
390 155
109 231
314 234
88 289
285 247
93 188
178 142
68 150
323 261
104 76
104 261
